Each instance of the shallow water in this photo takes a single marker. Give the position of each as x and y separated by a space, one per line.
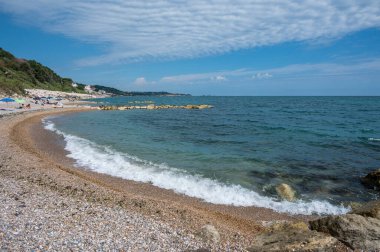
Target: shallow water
238 151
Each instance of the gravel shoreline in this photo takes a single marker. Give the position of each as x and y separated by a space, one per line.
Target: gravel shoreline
50 205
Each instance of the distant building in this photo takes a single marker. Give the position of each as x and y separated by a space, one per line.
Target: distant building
88 89
74 84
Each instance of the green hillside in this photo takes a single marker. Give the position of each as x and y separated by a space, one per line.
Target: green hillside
18 74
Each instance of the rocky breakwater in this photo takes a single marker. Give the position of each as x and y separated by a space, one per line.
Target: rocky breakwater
156 107
359 230
294 236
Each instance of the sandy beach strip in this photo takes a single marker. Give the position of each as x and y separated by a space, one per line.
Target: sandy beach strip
50 204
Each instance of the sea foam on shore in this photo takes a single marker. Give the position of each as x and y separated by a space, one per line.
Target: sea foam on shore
105 160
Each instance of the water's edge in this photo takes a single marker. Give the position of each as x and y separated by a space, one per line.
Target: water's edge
106 160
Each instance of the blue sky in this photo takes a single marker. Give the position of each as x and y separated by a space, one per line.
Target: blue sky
203 47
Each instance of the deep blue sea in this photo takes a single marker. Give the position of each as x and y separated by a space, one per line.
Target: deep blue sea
238 151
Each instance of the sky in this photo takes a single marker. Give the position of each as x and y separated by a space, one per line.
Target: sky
213 47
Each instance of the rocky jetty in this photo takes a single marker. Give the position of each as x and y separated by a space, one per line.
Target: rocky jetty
296 236
156 107
372 180
359 230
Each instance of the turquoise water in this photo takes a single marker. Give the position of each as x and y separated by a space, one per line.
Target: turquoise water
244 146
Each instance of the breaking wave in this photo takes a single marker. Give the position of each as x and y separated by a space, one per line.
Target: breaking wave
105 160
374 139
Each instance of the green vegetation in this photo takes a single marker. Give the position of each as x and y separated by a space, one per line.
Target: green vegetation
19 74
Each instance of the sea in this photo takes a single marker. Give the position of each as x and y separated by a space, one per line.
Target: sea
237 152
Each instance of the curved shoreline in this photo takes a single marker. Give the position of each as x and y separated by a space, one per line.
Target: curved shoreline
237 225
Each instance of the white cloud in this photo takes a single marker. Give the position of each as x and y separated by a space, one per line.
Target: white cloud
364 67
218 78
260 76
221 76
141 81
136 30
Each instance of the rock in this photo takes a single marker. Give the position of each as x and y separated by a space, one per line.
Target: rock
154 107
199 250
190 107
354 205
294 239
354 230
370 209
287 225
204 106
209 233
286 192
372 180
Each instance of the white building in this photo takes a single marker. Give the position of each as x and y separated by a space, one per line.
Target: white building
88 89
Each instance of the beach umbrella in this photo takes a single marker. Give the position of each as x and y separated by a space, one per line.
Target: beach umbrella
20 100
7 99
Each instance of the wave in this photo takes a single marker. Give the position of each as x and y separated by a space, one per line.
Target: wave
374 139
105 160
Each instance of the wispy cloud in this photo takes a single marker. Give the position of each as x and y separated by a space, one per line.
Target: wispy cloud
260 76
219 78
168 29
365 67
215 76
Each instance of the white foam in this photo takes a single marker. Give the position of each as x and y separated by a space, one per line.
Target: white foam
106 160
374 139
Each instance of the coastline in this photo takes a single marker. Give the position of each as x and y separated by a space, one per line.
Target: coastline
48 168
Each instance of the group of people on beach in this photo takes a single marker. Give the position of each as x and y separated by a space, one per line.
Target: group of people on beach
23 106
47 102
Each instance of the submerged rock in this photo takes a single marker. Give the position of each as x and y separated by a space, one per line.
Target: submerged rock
370 209
209 233
294 239
354 230
286 192
372 180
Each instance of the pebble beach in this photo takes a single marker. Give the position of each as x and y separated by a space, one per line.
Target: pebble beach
50 205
